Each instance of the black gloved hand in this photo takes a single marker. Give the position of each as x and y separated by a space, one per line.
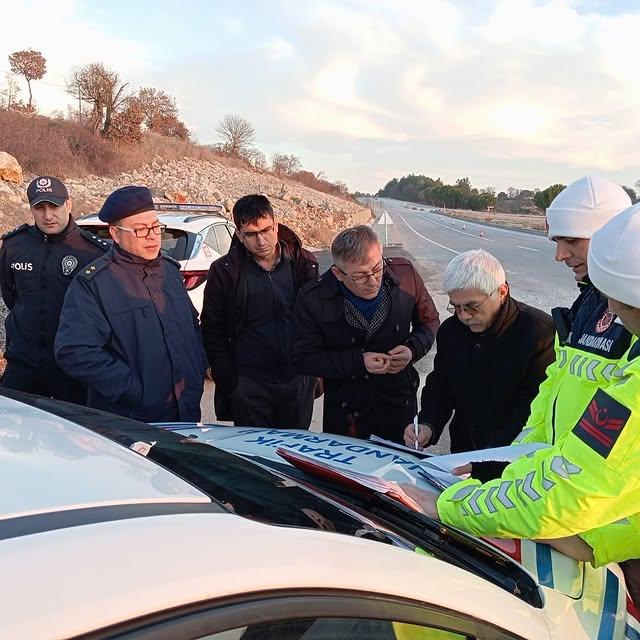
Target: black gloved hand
489 470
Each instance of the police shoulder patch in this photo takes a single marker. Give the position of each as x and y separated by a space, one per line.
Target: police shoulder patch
94 267
602 422
173 261
91 237
13 232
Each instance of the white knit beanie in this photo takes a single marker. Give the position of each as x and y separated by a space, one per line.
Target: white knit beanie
613 262
584 206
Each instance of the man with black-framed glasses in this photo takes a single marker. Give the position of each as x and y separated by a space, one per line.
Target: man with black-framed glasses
492 356
361 326
128 329
247 318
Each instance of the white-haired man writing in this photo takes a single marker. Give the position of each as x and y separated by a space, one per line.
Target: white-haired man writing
491 358
587 483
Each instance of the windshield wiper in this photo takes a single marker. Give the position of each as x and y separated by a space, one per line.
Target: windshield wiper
446 543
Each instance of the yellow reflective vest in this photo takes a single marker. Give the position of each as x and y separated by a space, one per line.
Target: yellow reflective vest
589 478
589 343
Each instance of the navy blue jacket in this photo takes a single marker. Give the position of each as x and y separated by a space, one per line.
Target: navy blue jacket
35 271
590 327
129 331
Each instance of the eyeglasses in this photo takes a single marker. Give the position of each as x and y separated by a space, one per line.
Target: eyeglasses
471 309
143 232
253 235
376 273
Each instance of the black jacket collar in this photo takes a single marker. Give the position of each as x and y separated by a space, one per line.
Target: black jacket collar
124 257
70 229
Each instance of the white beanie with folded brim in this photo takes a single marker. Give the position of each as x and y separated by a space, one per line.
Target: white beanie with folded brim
580 209
613 260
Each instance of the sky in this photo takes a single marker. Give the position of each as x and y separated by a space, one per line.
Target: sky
519 93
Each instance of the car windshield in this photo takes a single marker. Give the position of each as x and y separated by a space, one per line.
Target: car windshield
241 487
276 493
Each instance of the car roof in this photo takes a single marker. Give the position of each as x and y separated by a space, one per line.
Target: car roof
110 572
187 221
52 465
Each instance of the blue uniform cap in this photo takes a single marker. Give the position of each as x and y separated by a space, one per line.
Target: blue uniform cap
126 201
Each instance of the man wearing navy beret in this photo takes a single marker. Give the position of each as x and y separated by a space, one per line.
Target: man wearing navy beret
128 329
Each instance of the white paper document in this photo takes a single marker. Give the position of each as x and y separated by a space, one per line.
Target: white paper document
399 447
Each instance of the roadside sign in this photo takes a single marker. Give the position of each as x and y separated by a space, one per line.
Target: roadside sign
385 218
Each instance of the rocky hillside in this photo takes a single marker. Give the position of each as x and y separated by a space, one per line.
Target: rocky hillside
315 216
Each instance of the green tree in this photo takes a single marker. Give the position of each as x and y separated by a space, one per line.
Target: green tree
544 198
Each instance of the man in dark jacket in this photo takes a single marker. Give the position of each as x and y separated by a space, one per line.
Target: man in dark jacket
491 358
247 319
128 329
361 326
37 264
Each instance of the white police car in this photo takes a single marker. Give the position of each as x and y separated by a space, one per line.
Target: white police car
196 235
110 528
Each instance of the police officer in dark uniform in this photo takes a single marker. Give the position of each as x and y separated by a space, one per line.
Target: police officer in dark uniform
128 329
37 264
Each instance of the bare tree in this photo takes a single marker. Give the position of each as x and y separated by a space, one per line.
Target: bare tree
30 64
293 164
237 134
513 192
10 93
341 188
102 89
283 164
256 158
279 163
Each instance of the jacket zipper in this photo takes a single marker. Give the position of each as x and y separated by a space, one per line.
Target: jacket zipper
553 421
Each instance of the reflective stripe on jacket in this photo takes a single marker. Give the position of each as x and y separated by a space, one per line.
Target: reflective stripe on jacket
587 480
588 348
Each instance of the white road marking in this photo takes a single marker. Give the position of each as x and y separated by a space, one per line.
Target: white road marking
514 273
527 248
446 226
494 227
427 239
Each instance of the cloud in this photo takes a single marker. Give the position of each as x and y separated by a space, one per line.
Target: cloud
544 89
277 48
65 40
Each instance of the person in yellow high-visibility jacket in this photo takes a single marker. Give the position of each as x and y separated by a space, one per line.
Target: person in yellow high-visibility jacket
588 482
589 339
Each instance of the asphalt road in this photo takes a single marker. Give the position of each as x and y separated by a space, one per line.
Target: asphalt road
528 258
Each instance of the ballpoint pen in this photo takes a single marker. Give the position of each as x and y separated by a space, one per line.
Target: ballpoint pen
416 431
